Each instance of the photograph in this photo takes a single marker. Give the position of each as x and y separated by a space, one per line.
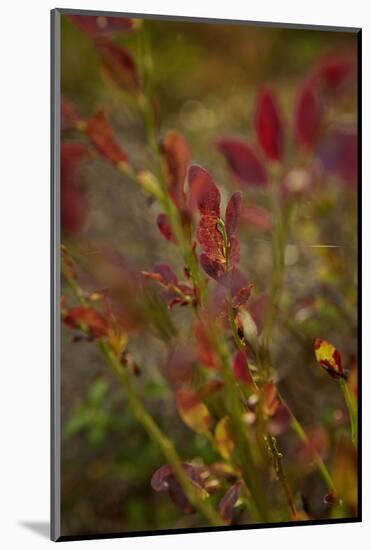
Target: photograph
205 228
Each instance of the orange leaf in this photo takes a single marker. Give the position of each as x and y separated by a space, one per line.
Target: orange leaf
101 135
193 411
84 317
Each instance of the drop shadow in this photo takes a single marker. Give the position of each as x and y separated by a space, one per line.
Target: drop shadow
42 528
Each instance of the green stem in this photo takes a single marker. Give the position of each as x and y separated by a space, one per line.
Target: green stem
299 430
352 410
158 437
150 426
278 468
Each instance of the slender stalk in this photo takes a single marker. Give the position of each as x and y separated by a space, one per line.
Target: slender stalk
352 410
278 468
299 430
194 494
158 437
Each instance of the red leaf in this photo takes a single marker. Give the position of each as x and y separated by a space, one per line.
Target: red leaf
268 125
213 268
177 155
164 226
210 238
72 154
164 480
83 316
96 25
255 215
234 252
280 421
205 351
70 118
101 135
203 192
308 116
228 501
270 402
237 284
118 64
240 368
335 71
339 154
243 163
166 273
232 214
74 209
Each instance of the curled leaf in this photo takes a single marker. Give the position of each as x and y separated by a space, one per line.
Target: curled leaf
193 411
268 125
329 357
101 135
244 164
204 194
229 500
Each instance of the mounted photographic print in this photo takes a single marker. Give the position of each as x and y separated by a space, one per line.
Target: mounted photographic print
205 283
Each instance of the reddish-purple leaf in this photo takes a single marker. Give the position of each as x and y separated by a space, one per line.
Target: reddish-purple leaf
101 135
240 368
74 209
177 154
257 216
228 501
335 72
237 284
210 238
268 125
72 155
118 64
164 226
204 194
339 154
244 164
95 25
280 421
308 116
234 252
213 268
70 118
164 480
232 214
166 273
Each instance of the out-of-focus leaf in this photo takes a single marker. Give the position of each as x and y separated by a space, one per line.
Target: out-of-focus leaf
229 500
308 116
165 229
240 368
118 64
193 412
268 125
87 318
101 135
255 215
164 480
95 25
232 214
243 162
223 438
177 154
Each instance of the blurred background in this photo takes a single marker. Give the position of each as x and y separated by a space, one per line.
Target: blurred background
205 77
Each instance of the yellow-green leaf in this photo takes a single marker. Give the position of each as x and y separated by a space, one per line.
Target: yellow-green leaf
223 438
